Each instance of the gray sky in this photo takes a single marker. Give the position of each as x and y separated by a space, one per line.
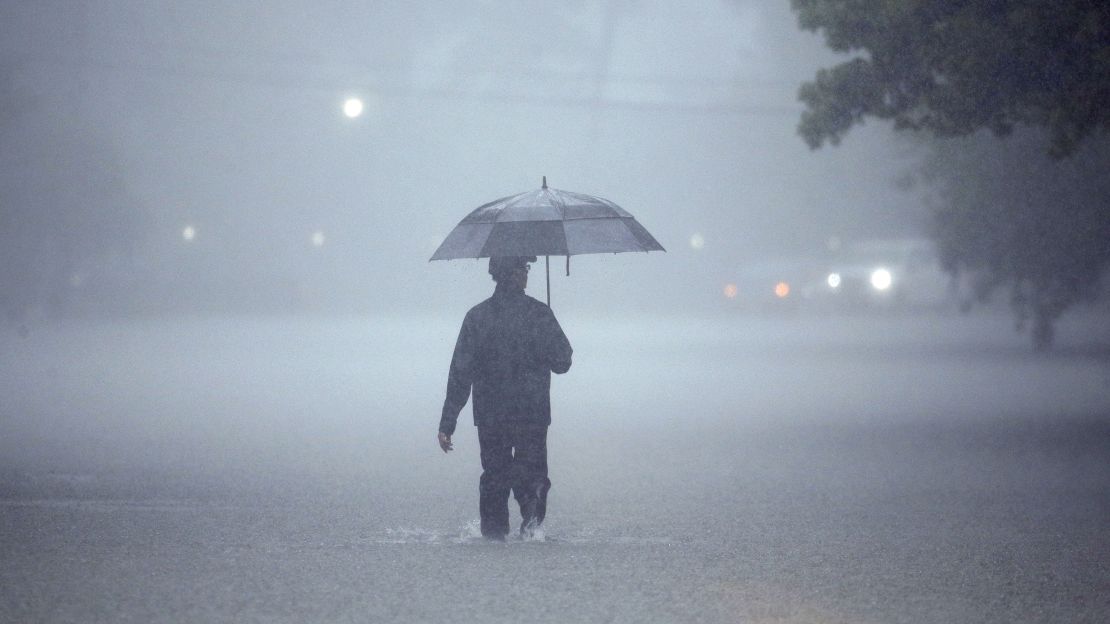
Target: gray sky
227 117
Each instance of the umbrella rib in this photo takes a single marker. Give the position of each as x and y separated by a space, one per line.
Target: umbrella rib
562 207
605 218
512 201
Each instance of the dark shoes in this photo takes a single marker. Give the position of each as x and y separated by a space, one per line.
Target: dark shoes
531 530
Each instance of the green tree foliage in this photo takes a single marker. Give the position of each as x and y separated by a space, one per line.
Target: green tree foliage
952 67
1011 217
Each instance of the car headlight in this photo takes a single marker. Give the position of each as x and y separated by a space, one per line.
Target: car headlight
833 280
881 279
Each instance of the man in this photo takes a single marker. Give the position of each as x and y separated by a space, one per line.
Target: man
507 349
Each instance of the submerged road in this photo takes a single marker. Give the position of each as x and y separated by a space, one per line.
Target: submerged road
754 470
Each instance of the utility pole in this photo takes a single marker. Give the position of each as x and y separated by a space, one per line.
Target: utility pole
81 50
601 71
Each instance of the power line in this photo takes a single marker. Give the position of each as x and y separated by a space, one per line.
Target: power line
335 77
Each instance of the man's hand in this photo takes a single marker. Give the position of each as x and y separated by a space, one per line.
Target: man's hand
445 442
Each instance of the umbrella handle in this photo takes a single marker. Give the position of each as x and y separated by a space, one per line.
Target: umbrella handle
547 273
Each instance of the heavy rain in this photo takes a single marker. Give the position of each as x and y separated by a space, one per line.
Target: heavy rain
224 350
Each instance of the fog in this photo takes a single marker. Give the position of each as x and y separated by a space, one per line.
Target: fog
230 412
284 396
229 119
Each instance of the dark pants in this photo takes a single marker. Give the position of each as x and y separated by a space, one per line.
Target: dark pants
514 457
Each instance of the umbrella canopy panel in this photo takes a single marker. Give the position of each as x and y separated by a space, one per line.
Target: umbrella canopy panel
545 204
524 238
546 222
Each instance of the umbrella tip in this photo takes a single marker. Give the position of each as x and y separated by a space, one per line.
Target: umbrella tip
545 181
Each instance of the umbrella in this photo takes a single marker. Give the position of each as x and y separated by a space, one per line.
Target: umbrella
547 222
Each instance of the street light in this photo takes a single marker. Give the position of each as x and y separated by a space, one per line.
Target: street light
353 107
881 279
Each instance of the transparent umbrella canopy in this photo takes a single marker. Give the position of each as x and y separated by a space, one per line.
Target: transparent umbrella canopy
546 222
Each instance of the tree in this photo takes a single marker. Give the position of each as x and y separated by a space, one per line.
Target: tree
1030 214
953 67
1011 217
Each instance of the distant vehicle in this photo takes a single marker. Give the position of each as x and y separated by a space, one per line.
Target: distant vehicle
887 274
773 285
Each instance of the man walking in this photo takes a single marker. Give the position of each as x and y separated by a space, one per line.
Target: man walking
506 351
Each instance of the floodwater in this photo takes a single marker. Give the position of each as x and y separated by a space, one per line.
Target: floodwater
751 469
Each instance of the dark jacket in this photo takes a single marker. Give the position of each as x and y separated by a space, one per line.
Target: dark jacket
507 349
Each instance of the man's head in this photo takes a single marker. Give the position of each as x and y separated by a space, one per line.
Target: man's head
510 270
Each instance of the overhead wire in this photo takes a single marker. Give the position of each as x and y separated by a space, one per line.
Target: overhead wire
235 67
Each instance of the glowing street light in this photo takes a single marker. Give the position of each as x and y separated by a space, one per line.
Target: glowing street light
353 107
697 241
318 239
189 233
881 279
730 291
782 290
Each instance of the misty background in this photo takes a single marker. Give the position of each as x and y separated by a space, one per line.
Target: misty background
144 119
